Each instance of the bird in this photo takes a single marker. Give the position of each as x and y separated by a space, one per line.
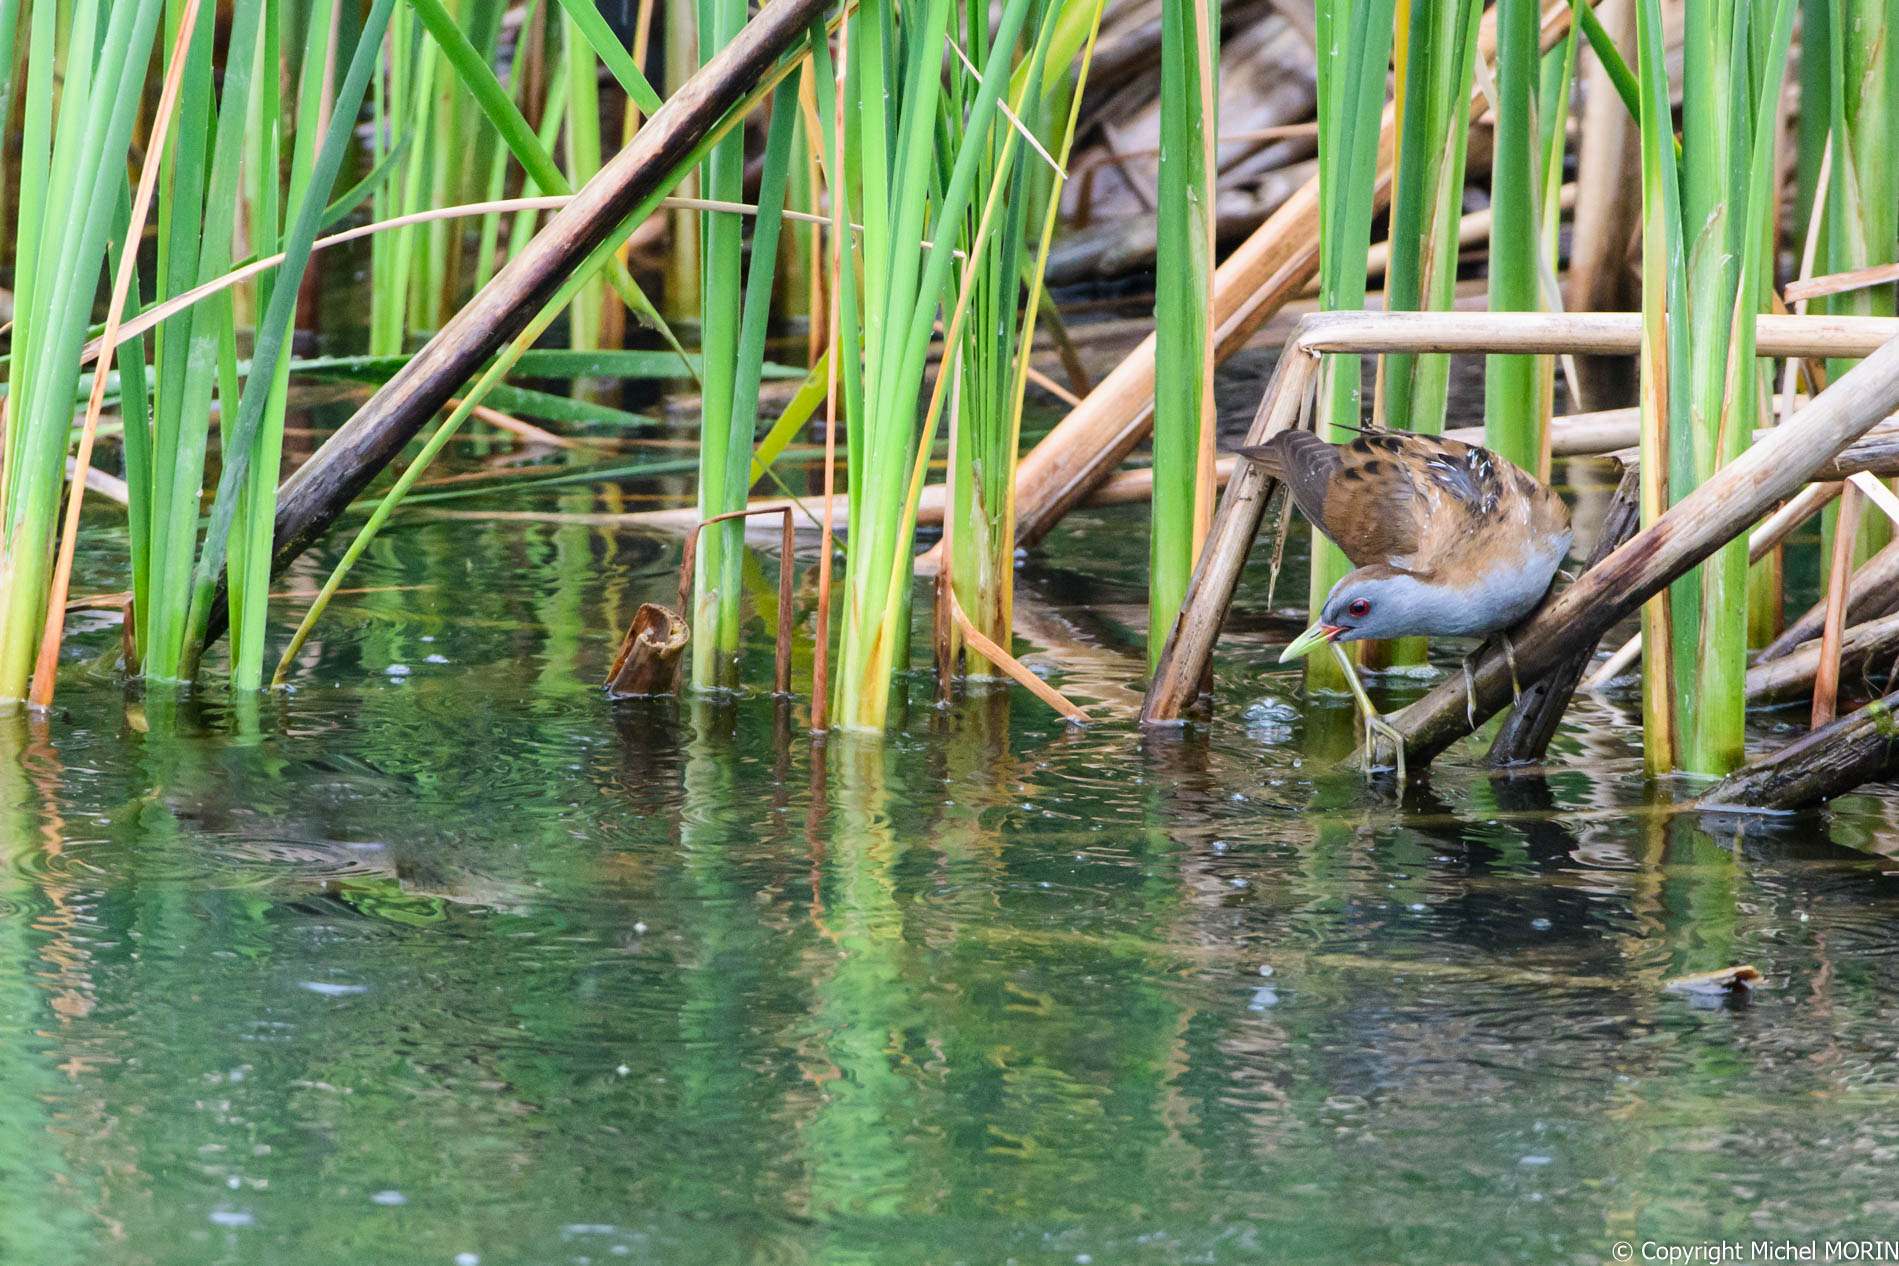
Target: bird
1445 539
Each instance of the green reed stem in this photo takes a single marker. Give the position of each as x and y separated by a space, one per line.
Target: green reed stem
1355 39
1183 308
1514 417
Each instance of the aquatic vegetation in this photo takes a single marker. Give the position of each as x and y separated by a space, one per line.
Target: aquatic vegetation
1183 307
899 182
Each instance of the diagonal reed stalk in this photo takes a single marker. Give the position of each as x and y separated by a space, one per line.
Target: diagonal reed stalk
272 337
603 257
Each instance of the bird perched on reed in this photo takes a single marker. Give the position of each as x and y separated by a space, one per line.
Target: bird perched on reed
1445 538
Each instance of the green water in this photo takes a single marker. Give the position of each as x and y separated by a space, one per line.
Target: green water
444 958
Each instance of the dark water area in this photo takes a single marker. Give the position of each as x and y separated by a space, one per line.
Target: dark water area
443 958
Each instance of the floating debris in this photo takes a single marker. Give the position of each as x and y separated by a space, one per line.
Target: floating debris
1730 984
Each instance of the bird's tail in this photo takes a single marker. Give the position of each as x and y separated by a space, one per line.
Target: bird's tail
1267 457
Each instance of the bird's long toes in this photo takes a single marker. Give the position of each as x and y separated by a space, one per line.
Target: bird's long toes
1377 728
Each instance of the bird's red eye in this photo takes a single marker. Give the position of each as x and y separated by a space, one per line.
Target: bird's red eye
1359 607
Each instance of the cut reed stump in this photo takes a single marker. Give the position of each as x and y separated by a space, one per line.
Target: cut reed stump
648 662
1796 454
1525 735
312 498
1858 748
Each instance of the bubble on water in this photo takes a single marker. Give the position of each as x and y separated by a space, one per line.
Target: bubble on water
389 1198
1535 1160
1541 925
330 989
1263 997
1269 720
231 1217
435 659
397 670
468 1259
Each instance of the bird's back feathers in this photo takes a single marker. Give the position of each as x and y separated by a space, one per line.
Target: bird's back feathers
1416 503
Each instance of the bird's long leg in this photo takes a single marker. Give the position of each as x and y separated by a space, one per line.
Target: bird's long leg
1510 658
1375 725
1470 686
1470 676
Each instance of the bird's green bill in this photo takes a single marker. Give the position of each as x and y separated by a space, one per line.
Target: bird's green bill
1317 635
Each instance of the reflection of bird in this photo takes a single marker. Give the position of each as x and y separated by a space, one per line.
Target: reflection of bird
1446 538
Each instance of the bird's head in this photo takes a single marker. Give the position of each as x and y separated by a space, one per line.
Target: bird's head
1371 602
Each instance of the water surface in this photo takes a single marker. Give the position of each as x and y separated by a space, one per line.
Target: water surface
443 958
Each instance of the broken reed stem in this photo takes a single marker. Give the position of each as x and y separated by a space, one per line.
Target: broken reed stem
1011 665
1188 652
1826 682
323 487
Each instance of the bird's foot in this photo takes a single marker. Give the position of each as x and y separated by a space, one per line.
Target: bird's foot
1470 687
1376 728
